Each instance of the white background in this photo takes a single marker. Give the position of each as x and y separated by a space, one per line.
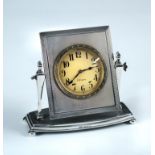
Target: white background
129 22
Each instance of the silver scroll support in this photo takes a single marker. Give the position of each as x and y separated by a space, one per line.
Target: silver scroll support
40 80
119 66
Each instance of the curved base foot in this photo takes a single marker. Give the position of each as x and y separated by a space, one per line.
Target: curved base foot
46 125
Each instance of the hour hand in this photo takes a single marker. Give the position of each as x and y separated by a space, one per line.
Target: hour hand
75 76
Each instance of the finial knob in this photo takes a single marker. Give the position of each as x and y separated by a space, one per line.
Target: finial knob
118 55
39 64
118 62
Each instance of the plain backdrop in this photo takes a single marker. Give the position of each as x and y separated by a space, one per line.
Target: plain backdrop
129 22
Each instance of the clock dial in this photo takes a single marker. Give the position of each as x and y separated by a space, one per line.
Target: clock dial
79 71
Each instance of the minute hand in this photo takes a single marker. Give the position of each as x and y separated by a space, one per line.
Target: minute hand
89 68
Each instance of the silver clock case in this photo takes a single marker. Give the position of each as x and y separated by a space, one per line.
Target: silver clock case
61 105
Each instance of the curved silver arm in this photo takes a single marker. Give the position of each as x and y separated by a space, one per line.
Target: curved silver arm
40 80
119 67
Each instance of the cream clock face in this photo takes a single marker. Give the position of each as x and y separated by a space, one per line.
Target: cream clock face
79 71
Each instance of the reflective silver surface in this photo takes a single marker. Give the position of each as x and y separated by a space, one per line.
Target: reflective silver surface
78 123
60 105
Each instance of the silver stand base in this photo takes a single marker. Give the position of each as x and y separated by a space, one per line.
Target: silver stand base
46 125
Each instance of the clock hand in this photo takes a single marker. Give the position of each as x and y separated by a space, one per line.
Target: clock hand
81 71
75 76
89 68
97 59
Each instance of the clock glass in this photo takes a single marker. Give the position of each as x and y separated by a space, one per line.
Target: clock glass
79 71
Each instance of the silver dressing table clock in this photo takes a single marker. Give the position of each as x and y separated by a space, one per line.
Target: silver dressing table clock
80 75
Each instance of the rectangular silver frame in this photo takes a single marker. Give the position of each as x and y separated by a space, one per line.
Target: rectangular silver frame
53 112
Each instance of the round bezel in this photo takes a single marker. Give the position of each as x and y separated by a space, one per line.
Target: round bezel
56 76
